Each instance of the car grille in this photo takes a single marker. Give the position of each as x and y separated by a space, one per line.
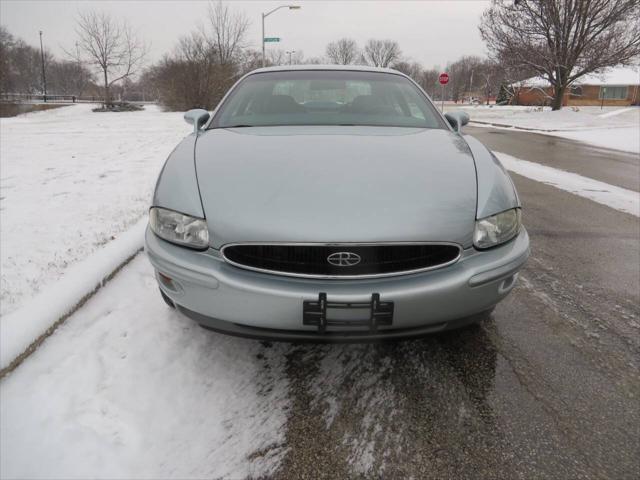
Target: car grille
312 260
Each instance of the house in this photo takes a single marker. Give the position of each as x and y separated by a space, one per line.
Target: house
617 86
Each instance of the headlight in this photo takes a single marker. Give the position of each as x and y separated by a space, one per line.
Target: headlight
497 229
179 228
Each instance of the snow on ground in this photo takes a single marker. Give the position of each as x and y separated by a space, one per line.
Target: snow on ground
21 327
618 198
609 127
128 388
622 138
70 181
568 118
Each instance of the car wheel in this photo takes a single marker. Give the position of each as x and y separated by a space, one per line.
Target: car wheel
167 300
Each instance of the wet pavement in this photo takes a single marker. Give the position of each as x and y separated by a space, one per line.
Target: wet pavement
616 168
548 387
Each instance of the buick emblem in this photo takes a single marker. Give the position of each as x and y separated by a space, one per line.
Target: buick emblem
344 259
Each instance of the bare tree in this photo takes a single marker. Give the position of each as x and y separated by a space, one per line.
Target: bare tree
281 57
343 52
314 61
250 60
22 67
205 63
73 75
67 78
429 81
296 58
463 76
276 57
227 34
6 45
412 69
562 40
111 46
490 76
381 53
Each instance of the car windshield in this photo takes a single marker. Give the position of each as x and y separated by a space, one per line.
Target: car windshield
326 97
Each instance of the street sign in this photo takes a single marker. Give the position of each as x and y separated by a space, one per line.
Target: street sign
271 39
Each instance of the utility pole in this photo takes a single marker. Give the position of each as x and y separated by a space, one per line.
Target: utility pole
44 77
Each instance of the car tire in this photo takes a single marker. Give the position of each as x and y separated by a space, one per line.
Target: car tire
167 300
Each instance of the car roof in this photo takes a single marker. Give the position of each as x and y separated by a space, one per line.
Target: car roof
350 68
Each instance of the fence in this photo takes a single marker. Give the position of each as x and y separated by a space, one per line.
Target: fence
39 98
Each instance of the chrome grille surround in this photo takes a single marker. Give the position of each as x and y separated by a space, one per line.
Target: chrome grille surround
342 247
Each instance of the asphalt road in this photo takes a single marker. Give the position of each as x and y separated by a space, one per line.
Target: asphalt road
619 168
548 387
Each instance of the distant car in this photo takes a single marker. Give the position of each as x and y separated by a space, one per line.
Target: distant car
333 203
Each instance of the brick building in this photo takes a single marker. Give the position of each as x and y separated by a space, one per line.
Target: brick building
618 86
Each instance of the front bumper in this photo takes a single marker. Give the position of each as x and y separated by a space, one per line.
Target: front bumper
241 302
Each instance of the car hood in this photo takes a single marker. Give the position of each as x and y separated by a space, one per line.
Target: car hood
336 184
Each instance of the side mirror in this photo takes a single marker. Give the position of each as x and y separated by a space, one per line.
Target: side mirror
457 119
196 117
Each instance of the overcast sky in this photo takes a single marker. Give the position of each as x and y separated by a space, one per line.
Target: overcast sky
432 32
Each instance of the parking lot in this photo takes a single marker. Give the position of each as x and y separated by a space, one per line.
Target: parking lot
548 387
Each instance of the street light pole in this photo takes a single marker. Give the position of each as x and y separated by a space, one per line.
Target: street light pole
44 77
263 59
290 52
265 15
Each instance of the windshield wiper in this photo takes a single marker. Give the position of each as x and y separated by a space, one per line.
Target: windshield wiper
237 126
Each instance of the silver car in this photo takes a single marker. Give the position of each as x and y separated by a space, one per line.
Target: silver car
333 203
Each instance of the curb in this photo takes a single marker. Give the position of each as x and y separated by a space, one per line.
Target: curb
38 341
23 330
513 127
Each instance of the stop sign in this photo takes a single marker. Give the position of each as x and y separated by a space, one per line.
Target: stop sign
443 78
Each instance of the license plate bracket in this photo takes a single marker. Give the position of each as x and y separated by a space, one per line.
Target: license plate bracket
314 312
